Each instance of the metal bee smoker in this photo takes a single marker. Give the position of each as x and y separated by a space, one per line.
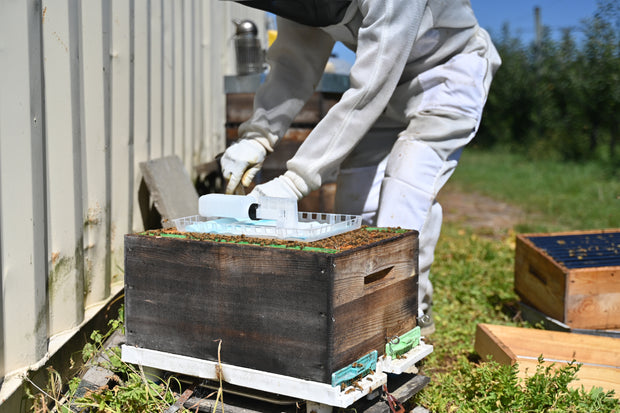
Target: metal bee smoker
248 49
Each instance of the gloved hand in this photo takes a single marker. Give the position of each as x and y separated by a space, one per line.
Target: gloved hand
281 187
242 161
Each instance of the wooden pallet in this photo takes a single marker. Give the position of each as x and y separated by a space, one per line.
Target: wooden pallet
279 389
508 345
240 400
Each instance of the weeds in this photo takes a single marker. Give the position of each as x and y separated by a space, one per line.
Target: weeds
473 280
473 276
129 389
492 387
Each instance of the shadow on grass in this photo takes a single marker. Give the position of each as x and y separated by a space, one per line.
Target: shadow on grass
507 306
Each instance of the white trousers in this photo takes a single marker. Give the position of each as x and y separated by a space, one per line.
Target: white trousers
399 189
393 181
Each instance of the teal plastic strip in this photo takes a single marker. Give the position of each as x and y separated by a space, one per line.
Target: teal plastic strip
400 345
163 234
356 370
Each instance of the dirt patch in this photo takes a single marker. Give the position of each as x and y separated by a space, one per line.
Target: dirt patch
479 211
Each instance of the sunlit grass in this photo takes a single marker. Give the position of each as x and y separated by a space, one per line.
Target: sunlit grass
473 276
556 195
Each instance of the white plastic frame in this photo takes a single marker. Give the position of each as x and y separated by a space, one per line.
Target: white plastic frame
317 392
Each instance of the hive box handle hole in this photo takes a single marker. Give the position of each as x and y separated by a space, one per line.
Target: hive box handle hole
537 275
376 276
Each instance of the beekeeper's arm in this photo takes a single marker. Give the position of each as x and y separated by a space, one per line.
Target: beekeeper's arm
297 59
385 40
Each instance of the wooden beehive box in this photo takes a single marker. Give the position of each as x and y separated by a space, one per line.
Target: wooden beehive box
302 313
573 277
599 356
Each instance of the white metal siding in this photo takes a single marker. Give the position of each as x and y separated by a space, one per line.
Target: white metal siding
88 90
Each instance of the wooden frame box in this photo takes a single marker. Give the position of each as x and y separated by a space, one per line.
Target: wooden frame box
301 313
507 345
574 279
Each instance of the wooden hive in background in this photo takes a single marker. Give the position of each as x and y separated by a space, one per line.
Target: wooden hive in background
573 277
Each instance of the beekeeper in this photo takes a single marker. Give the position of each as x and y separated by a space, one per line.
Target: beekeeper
426 64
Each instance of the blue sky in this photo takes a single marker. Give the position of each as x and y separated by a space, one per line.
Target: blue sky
519 14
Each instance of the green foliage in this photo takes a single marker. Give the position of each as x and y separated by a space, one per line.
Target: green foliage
129 390
473 278
473 283
492 387
559 99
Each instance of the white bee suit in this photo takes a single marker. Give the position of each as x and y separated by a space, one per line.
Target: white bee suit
424 64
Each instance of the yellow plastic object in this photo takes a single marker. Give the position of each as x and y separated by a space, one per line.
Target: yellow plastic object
271 36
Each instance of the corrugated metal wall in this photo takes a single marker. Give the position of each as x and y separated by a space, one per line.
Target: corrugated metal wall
88 90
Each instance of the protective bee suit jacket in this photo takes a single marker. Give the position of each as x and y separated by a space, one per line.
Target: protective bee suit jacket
426 64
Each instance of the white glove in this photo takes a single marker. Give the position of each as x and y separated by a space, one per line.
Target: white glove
241 162
281 187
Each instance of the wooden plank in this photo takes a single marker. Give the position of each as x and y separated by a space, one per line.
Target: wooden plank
187 393
360 273
491 347
402 387
365 323
509 345
593 298
374 296
170 188
96 376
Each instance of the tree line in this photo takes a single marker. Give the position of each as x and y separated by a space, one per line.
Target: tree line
559 98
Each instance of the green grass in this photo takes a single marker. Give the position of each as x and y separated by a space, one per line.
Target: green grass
556 195
473 280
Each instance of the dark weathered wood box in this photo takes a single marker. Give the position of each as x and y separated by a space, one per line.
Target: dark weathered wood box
573 277
294 312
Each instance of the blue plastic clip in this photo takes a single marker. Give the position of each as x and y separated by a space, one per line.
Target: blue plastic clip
356 370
